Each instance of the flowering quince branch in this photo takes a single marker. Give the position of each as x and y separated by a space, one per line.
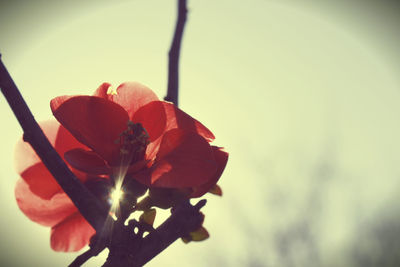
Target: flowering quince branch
174 162
84 200
121 142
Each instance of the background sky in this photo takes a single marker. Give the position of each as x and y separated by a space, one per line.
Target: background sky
302 94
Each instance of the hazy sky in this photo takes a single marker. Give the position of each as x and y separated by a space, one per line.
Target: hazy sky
303 94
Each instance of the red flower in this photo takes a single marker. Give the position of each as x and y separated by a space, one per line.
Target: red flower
128 133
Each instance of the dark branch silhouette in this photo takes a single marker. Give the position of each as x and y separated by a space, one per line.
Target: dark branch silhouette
185 218
174 53
88 205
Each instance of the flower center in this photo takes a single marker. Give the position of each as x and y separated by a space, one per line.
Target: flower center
133 142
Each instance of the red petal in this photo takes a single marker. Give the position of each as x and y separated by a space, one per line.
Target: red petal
65 141
152 117
30 167
215 190
177 118
45 212
152 149
221 158
55 103
137 166
130 95
72 234
95 122
102 90
184 159
40 181
58 136
86 161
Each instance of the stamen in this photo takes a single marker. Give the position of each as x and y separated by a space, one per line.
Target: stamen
111 91
133 142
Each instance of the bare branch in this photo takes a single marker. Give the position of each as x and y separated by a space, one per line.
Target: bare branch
174 53
88 205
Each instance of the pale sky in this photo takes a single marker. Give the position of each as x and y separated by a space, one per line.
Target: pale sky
302 94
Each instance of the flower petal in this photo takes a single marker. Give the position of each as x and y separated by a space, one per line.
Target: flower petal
221 158
45 212
185 159
95 122
72 234
152 117
86 161
40 181
177 118
137 166
216 190
65 141
58 136
130 95
55 103
103 90
30 167
152 149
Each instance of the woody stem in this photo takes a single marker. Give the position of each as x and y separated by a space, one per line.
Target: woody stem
174 53
88 205
183 220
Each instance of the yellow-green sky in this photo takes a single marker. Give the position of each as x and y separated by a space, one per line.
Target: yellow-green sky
303 94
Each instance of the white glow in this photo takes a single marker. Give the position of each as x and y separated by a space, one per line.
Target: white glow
116 195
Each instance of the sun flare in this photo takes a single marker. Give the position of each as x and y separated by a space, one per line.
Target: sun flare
116 195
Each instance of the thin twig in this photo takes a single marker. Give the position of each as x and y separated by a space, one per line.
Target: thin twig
88 205
174 53
185 218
